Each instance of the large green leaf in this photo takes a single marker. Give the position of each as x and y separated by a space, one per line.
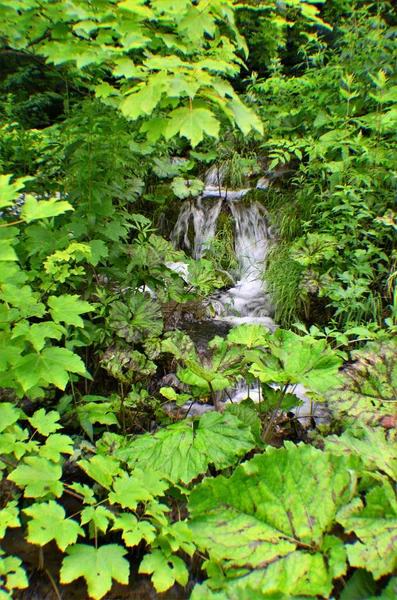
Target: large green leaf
98 566
375 526
48 522
68 308
266 520
52 365
192 124
367 389
295 359
136 317
371 445
38 477
184 450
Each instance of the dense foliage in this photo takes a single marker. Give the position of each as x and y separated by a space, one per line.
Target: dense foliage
110 112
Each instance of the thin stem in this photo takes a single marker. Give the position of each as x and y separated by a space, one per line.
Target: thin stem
268 431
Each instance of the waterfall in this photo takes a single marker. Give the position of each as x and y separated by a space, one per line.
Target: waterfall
247 300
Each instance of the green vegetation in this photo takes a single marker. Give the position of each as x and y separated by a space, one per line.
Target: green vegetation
110 112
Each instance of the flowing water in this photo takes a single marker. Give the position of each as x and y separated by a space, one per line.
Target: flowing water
247 301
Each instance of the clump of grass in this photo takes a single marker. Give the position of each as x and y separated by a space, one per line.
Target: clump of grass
283 278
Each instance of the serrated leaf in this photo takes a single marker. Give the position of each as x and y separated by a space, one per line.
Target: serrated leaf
56 445
371 445
367 389
45 423
102 469
165 570
97 566
38 477
48 522
67 309
134 531
375 526
184 450
9 414
52 365
192 124
9 517
250 336
100 516
267 528
185 188
34 209
246 119
139 487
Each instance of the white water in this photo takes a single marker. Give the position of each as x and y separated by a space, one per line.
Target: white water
247 301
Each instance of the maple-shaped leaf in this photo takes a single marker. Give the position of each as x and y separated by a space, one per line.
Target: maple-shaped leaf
99 516
98 566
34 209
39 332
375 526
102 469
38 477
68 308
141 486
184 450
250 336
144 98
48 522
134 531
9 517
12 576
52 365
165 570
45 423
192 124
56 445
246 119
9 414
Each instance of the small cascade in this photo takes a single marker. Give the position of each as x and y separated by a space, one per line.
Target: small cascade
204 215
247 300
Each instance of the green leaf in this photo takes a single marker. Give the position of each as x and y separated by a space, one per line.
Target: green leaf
12 576
56 445
185 188
34 209
250 336
360 586
134 531
100 516
295 359
97 566
375 526
141 486
102 469
371 445
45 423
9 414
9 517
184 450
67 308
192 124
367 389
165 570
52 365
38 477
247 413
245 118
135 318
267 517
48 522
